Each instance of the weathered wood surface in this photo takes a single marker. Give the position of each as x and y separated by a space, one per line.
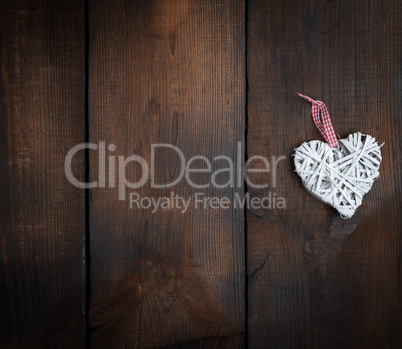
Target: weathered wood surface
174 72
315 280
166 72
42 117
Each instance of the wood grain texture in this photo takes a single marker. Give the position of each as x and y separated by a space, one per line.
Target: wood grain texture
42 117
315 280
166 72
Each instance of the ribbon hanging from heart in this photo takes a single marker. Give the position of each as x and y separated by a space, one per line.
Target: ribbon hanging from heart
320 111
338 174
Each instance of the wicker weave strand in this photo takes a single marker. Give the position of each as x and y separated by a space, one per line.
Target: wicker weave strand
339 176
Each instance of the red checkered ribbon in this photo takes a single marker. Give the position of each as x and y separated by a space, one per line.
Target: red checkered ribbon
322 121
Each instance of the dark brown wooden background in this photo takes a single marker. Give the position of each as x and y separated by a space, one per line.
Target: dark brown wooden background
80 269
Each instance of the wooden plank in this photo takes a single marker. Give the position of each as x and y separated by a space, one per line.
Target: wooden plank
166 72
42 117
315 280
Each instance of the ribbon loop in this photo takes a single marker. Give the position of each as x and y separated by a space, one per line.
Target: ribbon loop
322 121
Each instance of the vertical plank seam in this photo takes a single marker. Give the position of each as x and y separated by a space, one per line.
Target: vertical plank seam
85 235
246 310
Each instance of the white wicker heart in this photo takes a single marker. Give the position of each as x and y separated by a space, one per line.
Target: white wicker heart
339 176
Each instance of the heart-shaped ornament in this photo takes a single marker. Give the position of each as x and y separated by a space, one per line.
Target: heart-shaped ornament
337 172
341 175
